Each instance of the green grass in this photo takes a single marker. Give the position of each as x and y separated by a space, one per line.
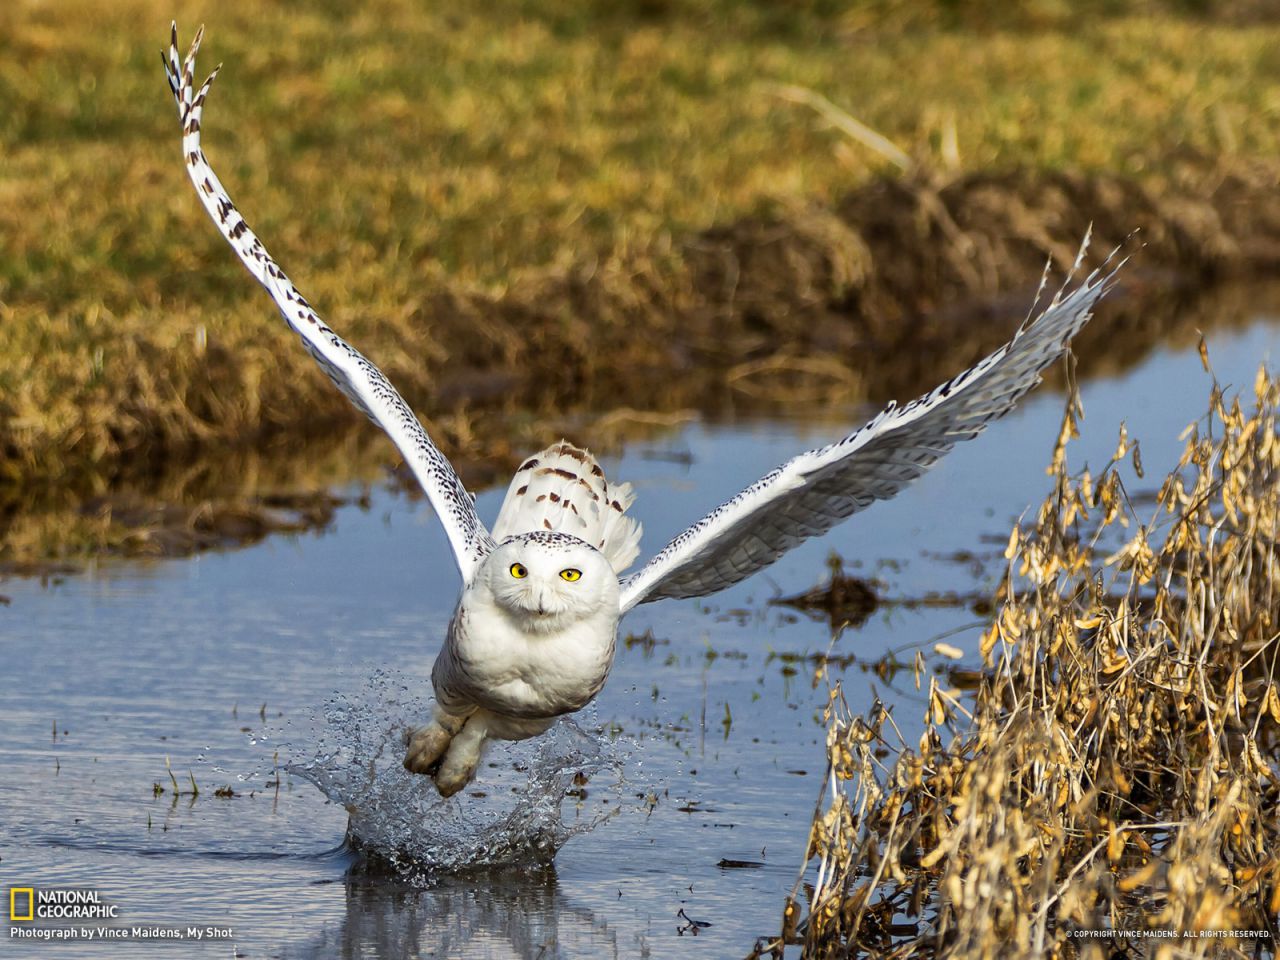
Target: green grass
397 157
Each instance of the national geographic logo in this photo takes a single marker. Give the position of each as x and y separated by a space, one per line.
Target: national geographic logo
64 905
22 903
27 903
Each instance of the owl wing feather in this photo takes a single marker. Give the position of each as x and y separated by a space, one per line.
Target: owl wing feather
811 493
361 381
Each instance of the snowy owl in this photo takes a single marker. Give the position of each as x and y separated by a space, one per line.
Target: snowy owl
533 634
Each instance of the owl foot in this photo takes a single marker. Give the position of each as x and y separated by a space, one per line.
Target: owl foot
451 779
426 745
458 767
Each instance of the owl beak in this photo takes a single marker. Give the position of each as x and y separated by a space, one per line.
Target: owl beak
540 598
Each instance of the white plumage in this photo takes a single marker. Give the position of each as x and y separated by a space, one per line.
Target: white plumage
564 490
534 631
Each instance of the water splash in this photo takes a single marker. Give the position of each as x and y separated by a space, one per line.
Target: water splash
521 817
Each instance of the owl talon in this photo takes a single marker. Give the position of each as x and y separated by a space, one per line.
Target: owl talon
451 782
426 745
458 768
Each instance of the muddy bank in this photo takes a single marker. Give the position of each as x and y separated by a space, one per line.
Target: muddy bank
896 287
899 285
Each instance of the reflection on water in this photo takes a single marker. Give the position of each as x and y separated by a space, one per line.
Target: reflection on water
499 913
219 663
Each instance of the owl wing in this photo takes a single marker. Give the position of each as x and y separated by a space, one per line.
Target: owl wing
811 493
362 382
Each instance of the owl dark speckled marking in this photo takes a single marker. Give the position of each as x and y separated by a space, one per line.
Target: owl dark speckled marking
534 632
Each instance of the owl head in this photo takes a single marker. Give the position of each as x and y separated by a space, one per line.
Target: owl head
549 580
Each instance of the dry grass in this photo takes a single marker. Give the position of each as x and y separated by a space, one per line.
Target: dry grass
489 188
1119 765
513 210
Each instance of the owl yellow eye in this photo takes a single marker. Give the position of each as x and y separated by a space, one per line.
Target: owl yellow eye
518 571
571 574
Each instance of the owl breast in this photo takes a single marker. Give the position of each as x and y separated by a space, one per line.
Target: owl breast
489 661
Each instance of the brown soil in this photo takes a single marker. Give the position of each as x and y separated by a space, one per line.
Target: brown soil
902 283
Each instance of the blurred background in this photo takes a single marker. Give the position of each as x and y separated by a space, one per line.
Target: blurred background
526 213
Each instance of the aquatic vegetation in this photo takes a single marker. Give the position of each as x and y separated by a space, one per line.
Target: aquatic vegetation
1118 766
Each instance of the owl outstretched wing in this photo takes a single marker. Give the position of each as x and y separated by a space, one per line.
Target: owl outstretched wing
362 382
811 493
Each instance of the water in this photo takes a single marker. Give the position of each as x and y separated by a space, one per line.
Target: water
354 756
293 664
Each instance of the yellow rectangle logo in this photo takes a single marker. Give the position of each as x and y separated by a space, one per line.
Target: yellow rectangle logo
13 903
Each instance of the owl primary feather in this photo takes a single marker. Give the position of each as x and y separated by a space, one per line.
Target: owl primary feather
535 628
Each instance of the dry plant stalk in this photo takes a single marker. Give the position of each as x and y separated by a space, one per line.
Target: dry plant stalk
1119 770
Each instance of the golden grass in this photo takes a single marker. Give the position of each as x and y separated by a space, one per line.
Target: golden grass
508 209
1119 766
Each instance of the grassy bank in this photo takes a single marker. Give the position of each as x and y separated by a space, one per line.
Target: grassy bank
527 217
1117 767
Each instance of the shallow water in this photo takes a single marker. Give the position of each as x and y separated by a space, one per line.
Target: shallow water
703 748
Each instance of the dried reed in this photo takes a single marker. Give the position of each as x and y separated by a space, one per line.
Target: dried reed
1112 785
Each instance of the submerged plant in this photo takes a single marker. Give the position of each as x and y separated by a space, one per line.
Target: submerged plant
1113 785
